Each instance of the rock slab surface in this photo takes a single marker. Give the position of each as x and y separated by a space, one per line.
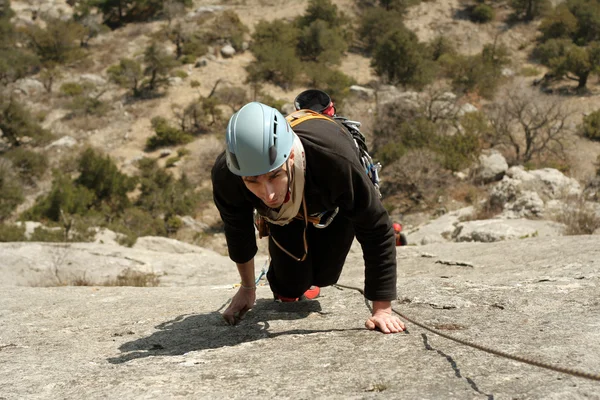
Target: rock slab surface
538 298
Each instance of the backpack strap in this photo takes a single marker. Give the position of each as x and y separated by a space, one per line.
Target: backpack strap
297 117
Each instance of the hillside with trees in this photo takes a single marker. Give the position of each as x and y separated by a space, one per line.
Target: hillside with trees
112 112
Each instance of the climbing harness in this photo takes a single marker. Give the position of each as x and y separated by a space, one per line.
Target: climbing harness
525 360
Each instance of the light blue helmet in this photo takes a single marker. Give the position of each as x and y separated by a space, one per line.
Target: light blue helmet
259 140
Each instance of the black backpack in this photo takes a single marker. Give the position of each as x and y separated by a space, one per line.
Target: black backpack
320 102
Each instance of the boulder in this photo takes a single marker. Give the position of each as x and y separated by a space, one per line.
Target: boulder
227 51
93 78
29 86
63 142
362 92
492 167
494 230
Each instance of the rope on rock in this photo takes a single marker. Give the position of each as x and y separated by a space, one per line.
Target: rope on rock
525 360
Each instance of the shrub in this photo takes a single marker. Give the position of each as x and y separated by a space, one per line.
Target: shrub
401 59
65 198
162 194
88 105
458 151
53 235
332 81
530 9
130 277
11 193
590 128
479 73
228 27
57 43
482 13
579 216
274 47
135 223
71 89
166 135
127 74
375 24
12 233
16 122
100 175
28 164
180 74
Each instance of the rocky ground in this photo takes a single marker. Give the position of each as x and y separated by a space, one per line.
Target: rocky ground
535 297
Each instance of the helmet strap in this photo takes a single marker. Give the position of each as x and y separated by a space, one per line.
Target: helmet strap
288 195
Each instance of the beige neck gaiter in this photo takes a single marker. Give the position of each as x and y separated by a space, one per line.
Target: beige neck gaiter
289 210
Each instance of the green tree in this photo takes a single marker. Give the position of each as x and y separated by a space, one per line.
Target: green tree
274 47
560 23
65 198
479 73
100 175
166 135
17 123
15 62
57 43
28 164
321 43
567 60
375 24
11 192
127 74
401 59
157 63
161 195
530 9
590 128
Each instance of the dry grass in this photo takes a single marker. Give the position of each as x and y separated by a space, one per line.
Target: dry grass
579 216
128 277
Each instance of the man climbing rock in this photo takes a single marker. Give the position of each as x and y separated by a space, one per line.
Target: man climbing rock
311 193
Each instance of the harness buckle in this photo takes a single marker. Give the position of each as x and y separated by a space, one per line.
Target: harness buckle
329 219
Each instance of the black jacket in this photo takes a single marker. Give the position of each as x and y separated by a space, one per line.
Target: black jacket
334 178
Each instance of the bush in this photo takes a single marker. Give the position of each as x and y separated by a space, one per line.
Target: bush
100 175
530 9
58 43
579 216
274 47
88 105
12 233
228 27
479 73
16 123
590 128
52 235
127 74
135 223
11 193
375 24
65 198
130 277
28 164
458 151
482 13
71 89
332 81
401 59
166 135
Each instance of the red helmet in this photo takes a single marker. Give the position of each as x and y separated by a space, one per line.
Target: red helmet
397 227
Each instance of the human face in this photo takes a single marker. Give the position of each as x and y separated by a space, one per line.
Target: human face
272 187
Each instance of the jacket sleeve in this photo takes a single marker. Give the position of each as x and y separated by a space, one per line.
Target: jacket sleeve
350 189
236 212
372 226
